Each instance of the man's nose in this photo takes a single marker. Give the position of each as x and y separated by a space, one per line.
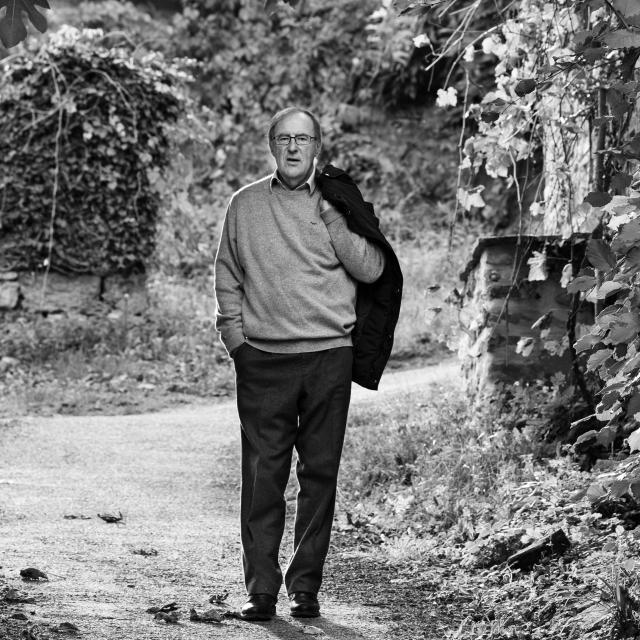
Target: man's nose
292 146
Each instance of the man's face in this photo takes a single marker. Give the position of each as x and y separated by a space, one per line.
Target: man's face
295 163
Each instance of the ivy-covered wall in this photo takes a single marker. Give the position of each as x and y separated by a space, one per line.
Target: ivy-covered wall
83 129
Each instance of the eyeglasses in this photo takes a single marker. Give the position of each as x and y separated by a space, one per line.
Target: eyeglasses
300 140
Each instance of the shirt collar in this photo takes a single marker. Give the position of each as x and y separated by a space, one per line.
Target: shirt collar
310 183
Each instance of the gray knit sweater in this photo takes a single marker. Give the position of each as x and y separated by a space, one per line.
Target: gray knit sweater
286 270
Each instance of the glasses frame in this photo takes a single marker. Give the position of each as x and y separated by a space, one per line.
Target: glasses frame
294 138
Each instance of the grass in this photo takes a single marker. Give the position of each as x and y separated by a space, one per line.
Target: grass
429 464
169 355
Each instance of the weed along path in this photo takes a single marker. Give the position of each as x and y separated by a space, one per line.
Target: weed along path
173 477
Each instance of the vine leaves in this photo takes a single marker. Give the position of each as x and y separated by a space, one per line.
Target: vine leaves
12 26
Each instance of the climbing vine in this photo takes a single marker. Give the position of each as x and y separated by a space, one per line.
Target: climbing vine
83 139
565 90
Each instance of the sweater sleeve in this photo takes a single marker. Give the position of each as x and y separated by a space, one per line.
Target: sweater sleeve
229 284
362 259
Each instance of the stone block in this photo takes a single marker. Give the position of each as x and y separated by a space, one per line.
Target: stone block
9 295
58 292
493 327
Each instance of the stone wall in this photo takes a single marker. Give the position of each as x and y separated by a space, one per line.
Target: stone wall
32 292
500 304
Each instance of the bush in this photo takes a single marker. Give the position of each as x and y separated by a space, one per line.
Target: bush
82 136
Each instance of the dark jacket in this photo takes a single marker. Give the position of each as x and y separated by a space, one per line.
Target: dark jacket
378 303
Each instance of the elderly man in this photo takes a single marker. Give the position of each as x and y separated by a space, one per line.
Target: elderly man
287 278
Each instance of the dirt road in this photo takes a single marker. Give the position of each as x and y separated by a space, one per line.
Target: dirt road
174 476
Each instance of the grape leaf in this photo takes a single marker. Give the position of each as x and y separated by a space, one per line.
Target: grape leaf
586 342
623 331
609 288
633 259
626 7
633 406
581 283
600 255
598 198
593 54
621 39
525 86
597 358
634 441
12 27
628 236
631 149
620 181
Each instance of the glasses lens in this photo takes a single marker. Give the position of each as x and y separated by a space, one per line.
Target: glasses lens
284 140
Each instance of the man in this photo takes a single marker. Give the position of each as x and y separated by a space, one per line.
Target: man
286 280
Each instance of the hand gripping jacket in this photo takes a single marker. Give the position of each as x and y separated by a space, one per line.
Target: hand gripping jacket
378 303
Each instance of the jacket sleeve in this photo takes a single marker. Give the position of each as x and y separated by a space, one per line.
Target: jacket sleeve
229 284
362 259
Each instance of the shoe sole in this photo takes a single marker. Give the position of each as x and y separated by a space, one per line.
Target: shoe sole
256 618
305 614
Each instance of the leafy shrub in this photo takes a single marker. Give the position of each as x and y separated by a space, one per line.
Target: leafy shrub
82 129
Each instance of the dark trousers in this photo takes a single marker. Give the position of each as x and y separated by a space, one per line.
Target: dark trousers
288 401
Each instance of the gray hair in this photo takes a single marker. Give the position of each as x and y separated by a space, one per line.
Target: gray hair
288 111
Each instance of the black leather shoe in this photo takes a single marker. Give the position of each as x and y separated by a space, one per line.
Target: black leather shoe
259 606
304 604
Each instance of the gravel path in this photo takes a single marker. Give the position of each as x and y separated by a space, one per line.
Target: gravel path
174 476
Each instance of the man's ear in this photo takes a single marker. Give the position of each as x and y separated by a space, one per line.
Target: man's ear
318 149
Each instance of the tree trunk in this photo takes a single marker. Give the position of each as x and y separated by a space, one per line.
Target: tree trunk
566 137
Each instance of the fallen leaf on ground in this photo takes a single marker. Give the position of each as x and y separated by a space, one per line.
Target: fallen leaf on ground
109 517
169 618
208 616
145 552
165 608
73 516
219 598
311 631
13 595
32 574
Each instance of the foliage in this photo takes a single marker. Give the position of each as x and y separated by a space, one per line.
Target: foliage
323 56
83 137
440 466
439 498
583 54
122 23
